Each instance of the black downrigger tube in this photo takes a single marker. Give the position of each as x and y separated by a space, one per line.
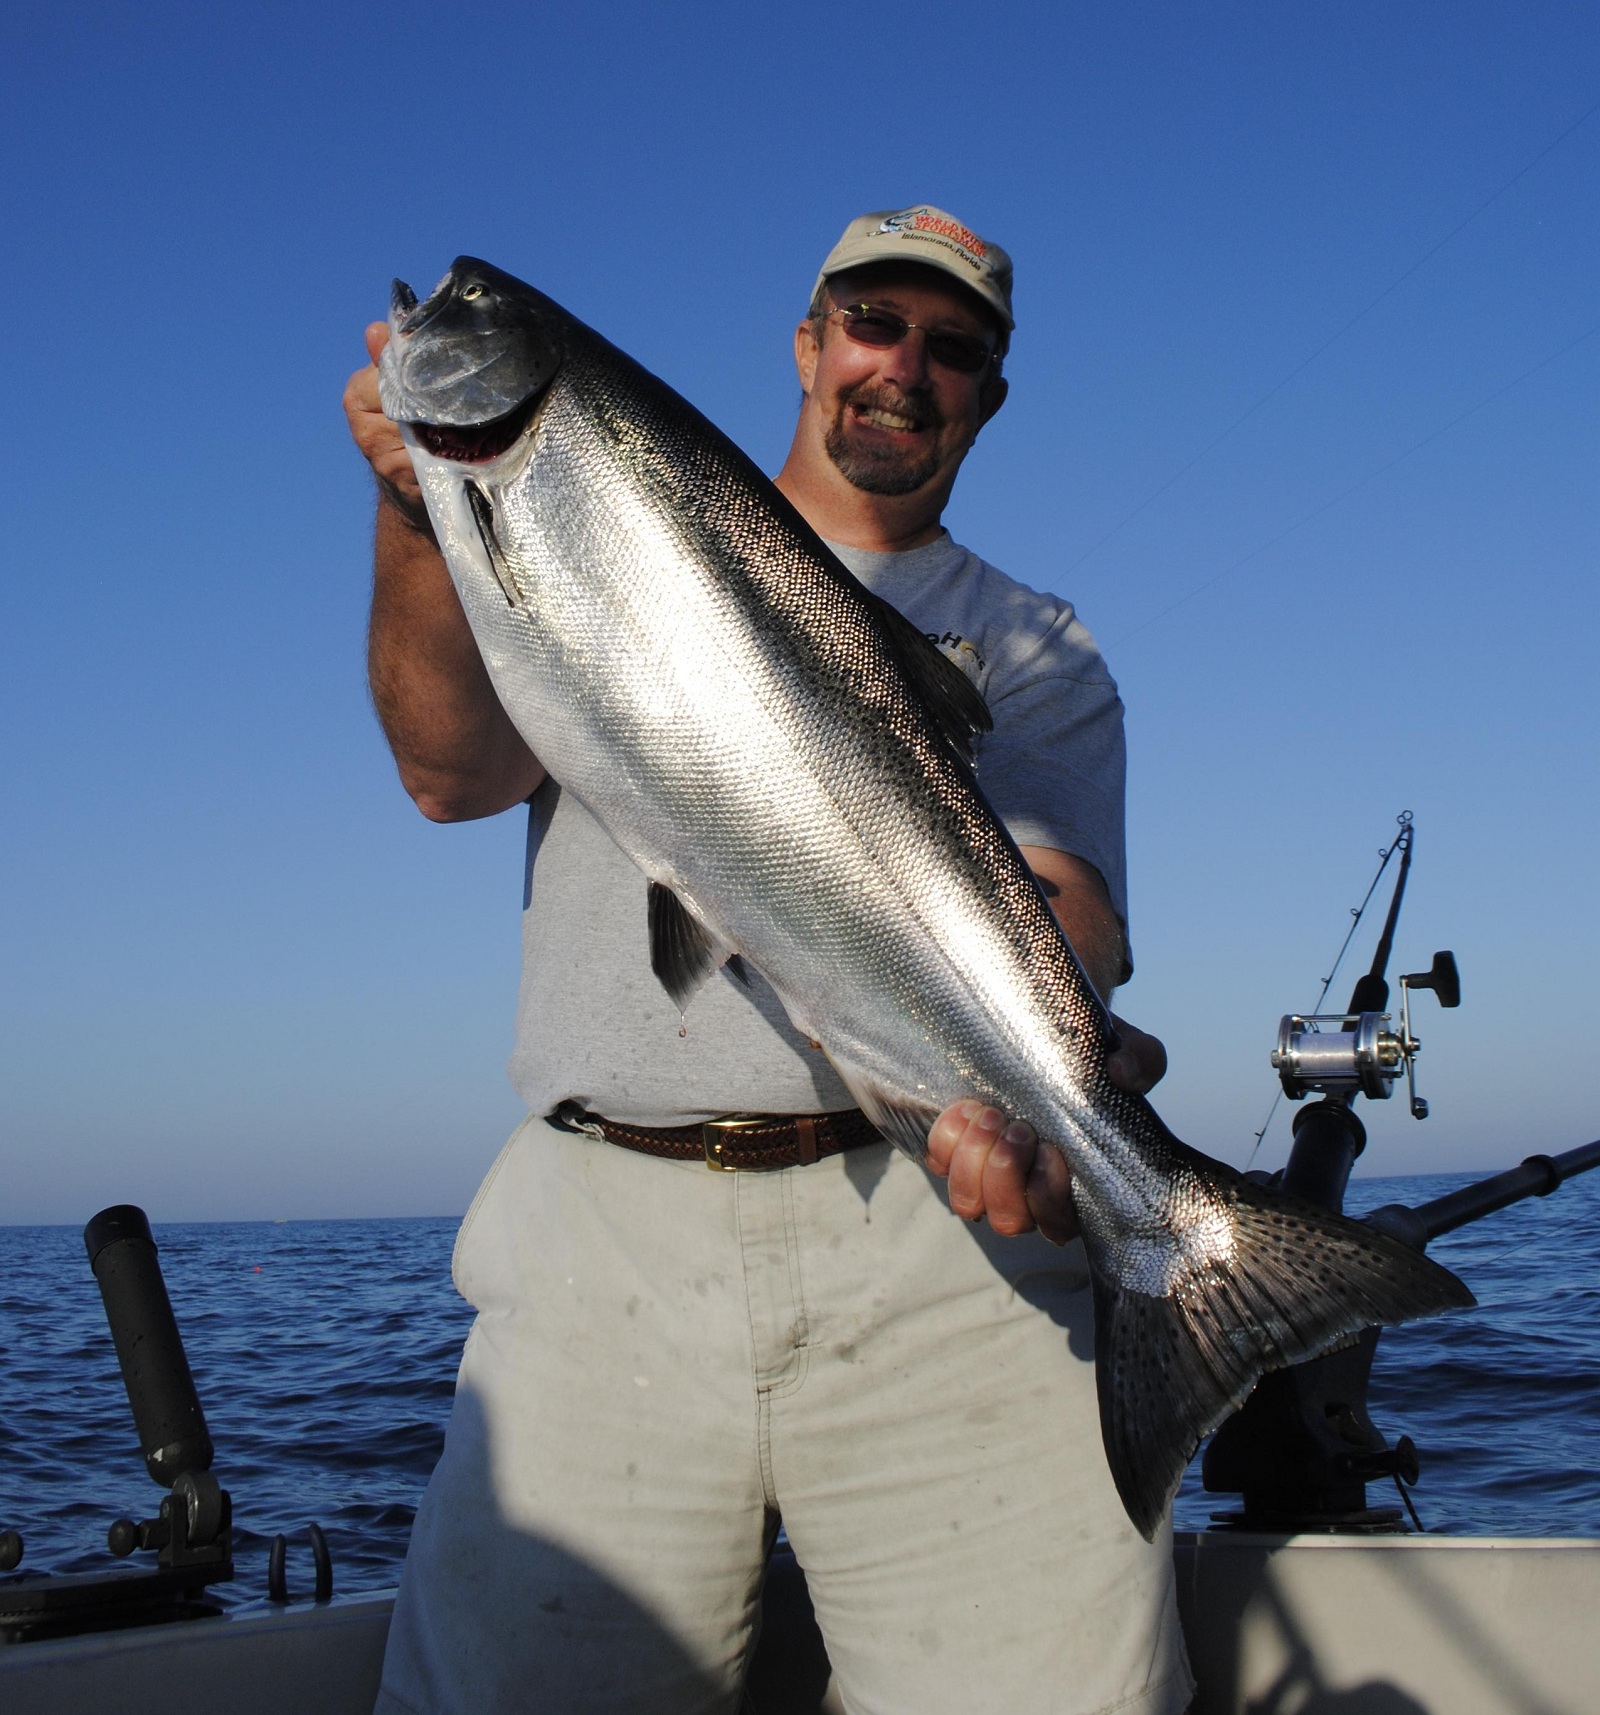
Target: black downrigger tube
1538 1176
155 1369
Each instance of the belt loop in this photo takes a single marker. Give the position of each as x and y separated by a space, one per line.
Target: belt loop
805 1132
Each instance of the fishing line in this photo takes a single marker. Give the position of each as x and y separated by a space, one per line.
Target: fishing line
1359 483
1510 1250
1333 339
1356 914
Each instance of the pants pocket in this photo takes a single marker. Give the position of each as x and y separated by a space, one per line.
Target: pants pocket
459 1251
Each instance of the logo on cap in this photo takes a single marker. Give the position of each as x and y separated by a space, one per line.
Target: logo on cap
917 222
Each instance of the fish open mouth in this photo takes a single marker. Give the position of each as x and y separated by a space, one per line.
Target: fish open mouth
475 443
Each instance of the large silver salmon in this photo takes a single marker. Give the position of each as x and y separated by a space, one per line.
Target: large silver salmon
789 762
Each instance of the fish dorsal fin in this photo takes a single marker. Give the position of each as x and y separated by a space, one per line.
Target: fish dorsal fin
683 952
956 704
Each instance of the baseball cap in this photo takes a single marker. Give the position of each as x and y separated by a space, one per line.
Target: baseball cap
929 238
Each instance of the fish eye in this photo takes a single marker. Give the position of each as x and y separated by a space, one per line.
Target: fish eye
475 290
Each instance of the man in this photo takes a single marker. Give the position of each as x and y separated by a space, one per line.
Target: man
667 1361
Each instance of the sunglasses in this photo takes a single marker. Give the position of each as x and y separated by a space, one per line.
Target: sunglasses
865 324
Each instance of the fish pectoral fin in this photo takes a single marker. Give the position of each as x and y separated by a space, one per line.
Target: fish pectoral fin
683 952
955 703
1300 1280
483 516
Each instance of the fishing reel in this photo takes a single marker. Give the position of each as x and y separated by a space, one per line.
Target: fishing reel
1359 1053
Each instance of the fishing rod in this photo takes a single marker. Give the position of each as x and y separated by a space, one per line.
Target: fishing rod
1363 1056
1303 1448
1357 1052
1334 338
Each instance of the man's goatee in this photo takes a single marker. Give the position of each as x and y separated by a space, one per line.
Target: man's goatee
879 469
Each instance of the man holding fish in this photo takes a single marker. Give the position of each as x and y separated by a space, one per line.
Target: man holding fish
667 1360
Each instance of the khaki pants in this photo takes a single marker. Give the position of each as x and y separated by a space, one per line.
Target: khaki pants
666 1360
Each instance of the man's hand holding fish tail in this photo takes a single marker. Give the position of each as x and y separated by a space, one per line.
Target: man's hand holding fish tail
995 1166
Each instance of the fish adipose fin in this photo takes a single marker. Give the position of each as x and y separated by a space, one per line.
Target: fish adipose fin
903 1120
683 952
1299 1281
955 703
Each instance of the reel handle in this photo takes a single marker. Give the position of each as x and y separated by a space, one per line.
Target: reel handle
1442 976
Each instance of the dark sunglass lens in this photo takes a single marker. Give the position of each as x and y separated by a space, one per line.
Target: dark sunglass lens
874 327
883 328
956 351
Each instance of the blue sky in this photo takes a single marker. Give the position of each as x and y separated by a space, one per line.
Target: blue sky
240 977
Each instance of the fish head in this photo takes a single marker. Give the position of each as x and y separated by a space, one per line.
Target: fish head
465 368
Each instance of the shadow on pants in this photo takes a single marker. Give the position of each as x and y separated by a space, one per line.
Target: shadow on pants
492 1616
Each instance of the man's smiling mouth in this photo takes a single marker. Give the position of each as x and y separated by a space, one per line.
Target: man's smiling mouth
885 441
880 418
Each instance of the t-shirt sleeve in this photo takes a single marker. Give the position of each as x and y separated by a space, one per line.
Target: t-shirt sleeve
1055 766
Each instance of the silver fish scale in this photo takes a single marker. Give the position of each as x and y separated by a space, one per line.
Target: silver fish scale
698 670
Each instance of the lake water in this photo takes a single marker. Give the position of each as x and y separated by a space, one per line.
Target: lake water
325 1355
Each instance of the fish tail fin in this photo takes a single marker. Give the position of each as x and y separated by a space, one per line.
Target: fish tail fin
1300 1281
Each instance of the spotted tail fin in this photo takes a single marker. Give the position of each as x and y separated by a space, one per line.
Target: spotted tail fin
1300 1281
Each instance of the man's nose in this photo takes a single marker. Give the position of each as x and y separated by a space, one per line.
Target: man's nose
907 362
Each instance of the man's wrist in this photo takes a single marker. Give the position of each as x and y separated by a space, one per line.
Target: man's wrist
413 513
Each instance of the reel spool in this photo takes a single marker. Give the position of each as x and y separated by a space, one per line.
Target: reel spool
1346 1054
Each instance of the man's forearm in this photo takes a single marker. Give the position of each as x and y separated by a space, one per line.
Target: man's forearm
1096 938
1083 907
458 754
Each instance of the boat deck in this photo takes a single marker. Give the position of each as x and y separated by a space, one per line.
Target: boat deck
1309 1625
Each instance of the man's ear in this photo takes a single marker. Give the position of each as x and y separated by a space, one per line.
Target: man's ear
991 396
805 354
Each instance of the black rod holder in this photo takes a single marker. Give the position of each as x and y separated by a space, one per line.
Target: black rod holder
192 1535
1327 1140
155 1371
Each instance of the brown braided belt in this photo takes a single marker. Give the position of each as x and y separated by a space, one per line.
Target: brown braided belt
748 1143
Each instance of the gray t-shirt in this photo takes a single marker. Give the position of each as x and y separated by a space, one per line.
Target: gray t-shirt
595 1026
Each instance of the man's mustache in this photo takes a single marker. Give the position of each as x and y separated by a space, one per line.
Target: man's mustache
918 407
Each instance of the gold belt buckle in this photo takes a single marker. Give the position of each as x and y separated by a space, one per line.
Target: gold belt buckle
711 1137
